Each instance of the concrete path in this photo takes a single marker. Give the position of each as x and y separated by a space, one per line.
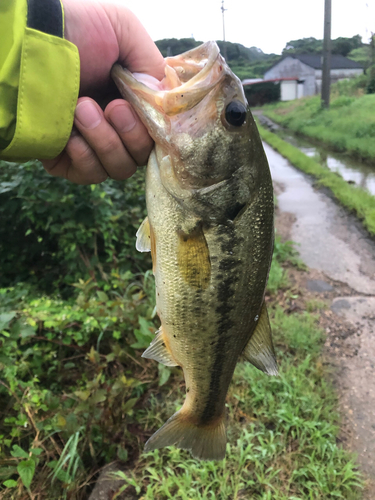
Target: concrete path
333 242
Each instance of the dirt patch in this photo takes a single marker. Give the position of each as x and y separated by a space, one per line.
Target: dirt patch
108 486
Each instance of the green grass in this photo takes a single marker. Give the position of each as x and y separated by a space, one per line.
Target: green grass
316 305
79 396
282 436
348 126
283 252
282 431
353 198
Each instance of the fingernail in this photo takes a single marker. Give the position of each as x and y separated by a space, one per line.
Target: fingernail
87 114
122 118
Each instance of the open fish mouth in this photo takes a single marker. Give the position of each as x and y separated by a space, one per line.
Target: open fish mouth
189 77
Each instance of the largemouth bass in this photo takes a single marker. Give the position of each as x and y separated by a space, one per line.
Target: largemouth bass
210 232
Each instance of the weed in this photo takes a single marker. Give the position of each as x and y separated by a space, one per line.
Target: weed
314 305
282 434
347 126
75 395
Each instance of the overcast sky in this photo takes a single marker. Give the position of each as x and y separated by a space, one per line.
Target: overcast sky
267 24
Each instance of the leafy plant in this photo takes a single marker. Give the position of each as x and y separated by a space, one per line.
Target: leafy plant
71 379
75 393
54 232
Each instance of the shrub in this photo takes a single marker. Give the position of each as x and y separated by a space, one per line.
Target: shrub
54 232
342 101
370 89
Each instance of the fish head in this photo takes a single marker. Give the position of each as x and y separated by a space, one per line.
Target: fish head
197 115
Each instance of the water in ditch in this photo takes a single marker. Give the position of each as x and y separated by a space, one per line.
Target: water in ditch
354 171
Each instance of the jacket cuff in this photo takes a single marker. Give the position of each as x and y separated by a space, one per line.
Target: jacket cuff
46 16
48 85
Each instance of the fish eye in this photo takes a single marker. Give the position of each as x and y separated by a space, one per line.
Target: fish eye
235 113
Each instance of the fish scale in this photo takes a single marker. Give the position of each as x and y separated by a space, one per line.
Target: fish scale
210 229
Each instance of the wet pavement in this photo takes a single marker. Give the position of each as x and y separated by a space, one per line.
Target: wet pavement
333 242
327 238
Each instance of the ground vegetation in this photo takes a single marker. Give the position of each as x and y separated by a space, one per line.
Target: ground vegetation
347 126
75 393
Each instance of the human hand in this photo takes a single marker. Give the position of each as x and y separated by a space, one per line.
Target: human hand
110 143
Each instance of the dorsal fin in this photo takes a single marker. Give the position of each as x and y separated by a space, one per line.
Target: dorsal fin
259 350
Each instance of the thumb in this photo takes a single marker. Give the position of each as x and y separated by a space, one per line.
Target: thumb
137 52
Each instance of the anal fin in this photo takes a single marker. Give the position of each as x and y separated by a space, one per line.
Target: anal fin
158 351
259 351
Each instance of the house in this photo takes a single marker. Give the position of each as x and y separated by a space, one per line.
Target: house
300 75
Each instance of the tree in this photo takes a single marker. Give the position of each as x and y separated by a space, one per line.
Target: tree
311 45
343 45
175 46
244 62
361 55
303 46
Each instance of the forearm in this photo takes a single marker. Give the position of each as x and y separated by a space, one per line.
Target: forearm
39 80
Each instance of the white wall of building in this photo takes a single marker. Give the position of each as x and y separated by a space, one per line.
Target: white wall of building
336 75
308 76
300 90
288 90
293 68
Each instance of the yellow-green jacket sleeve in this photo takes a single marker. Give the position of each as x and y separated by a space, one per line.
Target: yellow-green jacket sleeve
39 80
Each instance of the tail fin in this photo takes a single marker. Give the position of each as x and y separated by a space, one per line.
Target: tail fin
204 442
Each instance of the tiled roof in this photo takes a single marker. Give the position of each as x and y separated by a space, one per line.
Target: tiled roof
337 61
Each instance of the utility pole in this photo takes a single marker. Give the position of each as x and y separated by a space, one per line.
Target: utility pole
371 70
326 74
224 45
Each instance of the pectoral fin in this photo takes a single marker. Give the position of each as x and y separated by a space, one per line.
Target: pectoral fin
158 351
259 350
193 258
143 243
